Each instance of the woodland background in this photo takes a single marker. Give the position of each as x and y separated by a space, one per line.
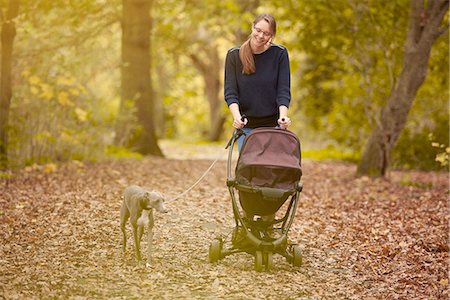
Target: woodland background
71 99
100 94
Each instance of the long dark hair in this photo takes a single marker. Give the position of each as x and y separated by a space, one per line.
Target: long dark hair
245 52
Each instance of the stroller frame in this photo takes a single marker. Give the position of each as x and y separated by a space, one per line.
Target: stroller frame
255 236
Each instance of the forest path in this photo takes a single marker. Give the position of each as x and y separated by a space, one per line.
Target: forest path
360 238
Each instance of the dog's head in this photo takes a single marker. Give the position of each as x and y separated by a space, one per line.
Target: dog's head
154 200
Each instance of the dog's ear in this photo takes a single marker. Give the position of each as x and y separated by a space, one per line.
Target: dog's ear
156 194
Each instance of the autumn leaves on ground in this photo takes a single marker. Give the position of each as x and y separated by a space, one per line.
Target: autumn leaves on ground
360 238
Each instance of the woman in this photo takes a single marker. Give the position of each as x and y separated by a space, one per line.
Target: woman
257 82
257 79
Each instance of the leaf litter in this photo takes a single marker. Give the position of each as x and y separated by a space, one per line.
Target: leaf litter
360 238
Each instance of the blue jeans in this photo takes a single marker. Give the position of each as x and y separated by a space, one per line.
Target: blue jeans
242 137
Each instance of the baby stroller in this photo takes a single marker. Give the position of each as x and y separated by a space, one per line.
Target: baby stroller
267 181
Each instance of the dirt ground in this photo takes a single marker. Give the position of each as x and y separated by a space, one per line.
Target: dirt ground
360 238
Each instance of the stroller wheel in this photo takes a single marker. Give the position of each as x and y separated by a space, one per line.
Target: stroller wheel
268 260
258 261
296 256
215 249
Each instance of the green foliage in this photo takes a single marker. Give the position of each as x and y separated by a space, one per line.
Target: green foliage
55 121
428 119
353 52
65 82
415 151
345 56
185 109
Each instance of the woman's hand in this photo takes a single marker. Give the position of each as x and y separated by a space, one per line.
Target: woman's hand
238 123
284 122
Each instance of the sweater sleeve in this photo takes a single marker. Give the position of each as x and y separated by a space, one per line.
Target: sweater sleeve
231 92
284 80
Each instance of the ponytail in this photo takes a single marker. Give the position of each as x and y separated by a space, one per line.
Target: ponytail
247 59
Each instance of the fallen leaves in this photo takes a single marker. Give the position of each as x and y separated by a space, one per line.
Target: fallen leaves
360 238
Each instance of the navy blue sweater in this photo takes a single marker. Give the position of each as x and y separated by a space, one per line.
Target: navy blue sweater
259 95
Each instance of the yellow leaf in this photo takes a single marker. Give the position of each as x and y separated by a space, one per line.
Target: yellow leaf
34 79
25 73
34 90
65 80
81 114
66 137
43 135
50 168
348 12
47 92
63 99
444 281
442 158
74 92
82 89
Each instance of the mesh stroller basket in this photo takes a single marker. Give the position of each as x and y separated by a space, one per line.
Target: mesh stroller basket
268 170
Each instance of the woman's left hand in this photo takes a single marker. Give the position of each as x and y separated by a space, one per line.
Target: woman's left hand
284 122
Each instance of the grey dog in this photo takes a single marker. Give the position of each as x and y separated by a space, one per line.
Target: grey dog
138 205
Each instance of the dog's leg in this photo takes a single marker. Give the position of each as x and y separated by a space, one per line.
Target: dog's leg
136 242
140 232
124 216
140 229
150 238
149 245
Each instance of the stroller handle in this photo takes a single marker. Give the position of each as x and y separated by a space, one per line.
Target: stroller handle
236 133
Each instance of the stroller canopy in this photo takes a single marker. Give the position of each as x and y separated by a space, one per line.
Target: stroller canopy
270 157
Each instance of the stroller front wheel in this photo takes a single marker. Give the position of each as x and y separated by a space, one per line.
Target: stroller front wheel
296 256
258 261
268 260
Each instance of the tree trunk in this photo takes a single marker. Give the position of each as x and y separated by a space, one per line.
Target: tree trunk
136 76
7 35
210 70
423 30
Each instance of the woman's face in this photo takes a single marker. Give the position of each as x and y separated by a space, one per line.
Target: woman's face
261 33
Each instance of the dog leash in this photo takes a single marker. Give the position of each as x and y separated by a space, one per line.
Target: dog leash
239 132
197 182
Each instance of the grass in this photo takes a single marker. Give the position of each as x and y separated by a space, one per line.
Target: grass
331 153
417 184
121 152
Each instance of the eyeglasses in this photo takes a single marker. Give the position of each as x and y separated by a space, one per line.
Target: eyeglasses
265 33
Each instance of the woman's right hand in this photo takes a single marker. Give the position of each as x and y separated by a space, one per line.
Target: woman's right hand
239 123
